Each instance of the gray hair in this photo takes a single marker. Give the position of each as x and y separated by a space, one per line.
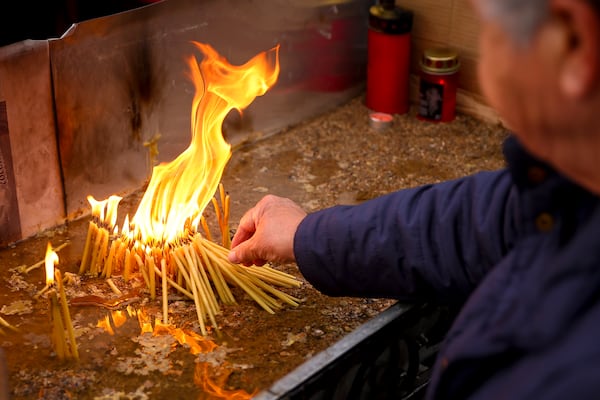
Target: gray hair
520 18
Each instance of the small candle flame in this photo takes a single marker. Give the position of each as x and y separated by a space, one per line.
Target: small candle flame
51 259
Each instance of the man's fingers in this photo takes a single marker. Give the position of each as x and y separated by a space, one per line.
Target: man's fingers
244 253
246 228
241 235
234 256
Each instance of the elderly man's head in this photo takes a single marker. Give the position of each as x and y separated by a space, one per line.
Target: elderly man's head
540 68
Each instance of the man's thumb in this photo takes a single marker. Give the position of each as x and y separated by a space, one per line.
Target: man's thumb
242 253
233 255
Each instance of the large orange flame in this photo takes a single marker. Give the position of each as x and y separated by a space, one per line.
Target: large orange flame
179 191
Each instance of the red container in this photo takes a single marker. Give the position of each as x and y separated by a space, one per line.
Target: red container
388 58
438 85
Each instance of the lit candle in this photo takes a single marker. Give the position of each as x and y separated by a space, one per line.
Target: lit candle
59 310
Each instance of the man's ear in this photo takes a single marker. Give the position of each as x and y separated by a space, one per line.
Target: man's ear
579 71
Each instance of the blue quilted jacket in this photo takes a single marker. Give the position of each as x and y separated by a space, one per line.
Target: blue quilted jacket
519 248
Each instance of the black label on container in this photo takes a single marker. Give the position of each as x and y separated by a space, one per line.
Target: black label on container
10 223
431 100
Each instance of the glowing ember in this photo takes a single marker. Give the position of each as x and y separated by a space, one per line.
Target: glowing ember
145 322
105 324
196 343
116 318
211 380
215 386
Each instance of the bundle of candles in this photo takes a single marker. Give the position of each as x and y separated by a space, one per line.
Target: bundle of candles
63 335
193 264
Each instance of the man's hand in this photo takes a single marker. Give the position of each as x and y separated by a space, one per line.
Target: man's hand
266 232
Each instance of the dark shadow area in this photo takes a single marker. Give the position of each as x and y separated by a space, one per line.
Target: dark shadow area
46 19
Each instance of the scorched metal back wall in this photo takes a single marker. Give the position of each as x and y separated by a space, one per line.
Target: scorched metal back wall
121 81
111 87
31 191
